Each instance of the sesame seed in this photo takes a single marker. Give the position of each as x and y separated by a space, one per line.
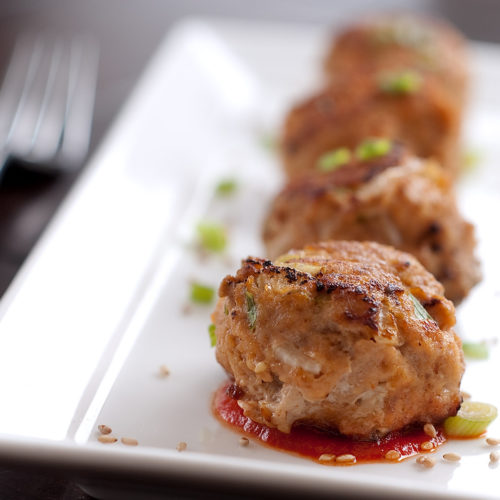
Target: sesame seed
493 441
392 455
465 395
326 457
430 430
260 367
104 429
244 441
346 458
181 446
427 462
129 441
186 309
452 457
426 445
494 456
164 371
107 439
420 459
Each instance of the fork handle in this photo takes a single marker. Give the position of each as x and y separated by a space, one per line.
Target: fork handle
4 158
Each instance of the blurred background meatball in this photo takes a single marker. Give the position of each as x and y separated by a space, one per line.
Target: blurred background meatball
394 199
401 41
355 337
408 106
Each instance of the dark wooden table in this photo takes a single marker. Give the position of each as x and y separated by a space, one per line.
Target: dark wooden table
128 32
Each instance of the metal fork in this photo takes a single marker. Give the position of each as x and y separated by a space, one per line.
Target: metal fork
47 102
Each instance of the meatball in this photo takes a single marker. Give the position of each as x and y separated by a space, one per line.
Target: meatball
423 115
395 199
392 42
347 336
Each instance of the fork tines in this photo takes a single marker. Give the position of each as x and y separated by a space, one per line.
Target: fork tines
46 101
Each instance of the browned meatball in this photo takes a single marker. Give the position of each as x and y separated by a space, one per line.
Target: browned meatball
426 119
394 199
392 42
349 336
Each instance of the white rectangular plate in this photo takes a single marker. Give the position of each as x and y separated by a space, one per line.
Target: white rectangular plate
101 303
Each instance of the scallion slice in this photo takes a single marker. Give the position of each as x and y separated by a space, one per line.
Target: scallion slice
471 159
333 159
211 334
212 236
373 148
471 420
202 294
226 187
420 311
251 310
402 83
268 142
475 350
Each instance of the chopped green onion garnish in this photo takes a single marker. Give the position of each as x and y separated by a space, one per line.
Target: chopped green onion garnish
404 82
226 187
333 159
471 420
420 311
268 142
211 334
471 159
475 350
212 236
373 148
202 294
251 310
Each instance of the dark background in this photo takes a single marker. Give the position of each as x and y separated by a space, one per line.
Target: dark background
128 32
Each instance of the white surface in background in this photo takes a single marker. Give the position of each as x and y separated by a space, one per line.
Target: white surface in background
98 306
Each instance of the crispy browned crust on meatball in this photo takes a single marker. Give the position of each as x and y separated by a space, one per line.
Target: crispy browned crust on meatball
392 42
396 200
351 110
337 335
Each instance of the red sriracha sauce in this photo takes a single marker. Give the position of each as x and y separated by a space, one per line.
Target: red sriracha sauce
322 446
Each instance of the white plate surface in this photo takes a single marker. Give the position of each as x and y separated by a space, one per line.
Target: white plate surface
99 305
